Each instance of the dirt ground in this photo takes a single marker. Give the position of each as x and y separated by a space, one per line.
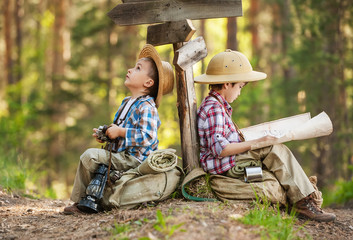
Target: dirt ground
25 218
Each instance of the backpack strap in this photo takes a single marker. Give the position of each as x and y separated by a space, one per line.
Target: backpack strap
195 173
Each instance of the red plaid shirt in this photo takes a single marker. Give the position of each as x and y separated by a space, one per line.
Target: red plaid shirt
216 131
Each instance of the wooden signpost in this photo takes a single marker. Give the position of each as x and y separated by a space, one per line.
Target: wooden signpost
176 28
133 12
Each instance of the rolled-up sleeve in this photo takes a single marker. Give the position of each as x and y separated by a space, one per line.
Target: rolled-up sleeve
216 131
216 125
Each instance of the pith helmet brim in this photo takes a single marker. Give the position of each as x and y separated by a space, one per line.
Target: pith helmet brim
228 67
239 77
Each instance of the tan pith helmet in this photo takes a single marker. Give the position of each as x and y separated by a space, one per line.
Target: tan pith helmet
165 72
229 67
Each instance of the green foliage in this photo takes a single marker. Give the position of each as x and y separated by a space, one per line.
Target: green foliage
12 176
342 192
17 175
274 224
200 188
321 56
122 231
163 227
307 55
13 168
50 193
176 194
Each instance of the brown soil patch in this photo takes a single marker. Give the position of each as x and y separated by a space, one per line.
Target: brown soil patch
24 218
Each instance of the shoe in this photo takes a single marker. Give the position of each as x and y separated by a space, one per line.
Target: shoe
72 209
307 207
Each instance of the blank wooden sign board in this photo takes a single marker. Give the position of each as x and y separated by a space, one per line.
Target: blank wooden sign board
172 25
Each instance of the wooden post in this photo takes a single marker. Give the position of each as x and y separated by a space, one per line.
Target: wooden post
186 103
170 32
185 56
178 31
190 53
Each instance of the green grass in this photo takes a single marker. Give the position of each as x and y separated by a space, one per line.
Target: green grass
274 224
341 193
161 225
13 172
167 230
200 188
121 231
16 175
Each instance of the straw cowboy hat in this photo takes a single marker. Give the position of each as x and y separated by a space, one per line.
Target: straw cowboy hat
229 67
165 71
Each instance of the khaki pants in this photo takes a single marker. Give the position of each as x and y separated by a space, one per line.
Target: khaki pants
89 162
279 160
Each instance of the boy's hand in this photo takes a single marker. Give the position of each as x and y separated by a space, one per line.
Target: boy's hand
114 131
95 135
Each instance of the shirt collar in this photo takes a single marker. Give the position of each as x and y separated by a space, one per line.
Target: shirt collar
222 101
147 98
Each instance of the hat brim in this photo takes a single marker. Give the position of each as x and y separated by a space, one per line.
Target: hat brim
148 51
233 78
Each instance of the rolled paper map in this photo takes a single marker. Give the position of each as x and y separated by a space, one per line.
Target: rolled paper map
317 126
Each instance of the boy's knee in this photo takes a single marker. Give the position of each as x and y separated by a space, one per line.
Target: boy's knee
88 154
89 159
279 147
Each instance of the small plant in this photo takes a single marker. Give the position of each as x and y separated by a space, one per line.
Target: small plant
342 193
164 228
13 174
275 224
200 189
17 175
120 231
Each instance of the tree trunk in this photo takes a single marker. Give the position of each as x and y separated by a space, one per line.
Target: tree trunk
56 147
110 72
8 42
203 65
275 39
254 11
342 48
335 96
58 45
18 22
285 36
232 34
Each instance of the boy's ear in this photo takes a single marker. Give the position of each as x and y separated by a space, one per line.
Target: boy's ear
149 83
225 85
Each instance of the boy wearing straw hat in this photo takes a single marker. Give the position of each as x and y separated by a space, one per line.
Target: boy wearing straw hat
134 129
222 144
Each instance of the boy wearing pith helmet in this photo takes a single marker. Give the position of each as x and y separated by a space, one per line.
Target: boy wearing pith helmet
222 144
133 133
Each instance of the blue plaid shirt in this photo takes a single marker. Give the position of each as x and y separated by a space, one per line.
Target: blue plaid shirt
141 123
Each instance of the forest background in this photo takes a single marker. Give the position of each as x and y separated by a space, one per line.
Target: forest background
64 63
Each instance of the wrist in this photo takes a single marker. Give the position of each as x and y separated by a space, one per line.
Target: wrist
121 132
